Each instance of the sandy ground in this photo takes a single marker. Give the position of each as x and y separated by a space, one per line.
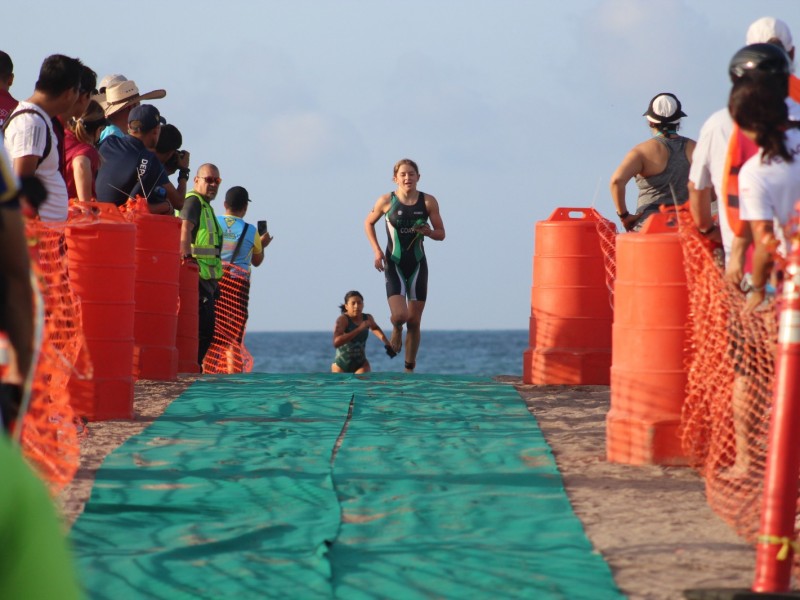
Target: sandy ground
651 524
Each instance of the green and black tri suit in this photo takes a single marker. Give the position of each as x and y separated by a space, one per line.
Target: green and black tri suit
350 357
406 265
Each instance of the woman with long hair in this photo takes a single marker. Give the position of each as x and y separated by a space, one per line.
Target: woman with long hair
769 182
82 157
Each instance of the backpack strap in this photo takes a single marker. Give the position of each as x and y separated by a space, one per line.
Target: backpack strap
239 243
48 142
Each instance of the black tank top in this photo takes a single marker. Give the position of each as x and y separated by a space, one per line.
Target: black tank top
402 240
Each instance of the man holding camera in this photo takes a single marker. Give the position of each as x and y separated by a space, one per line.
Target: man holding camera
130 166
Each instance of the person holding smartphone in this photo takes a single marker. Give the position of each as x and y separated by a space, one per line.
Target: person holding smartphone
243 247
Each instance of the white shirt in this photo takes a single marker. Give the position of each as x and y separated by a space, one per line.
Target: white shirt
769 191
708 163
710 154
26 135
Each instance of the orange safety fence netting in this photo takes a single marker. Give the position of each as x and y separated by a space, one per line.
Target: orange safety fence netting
607 231
50 430
729 361
227 353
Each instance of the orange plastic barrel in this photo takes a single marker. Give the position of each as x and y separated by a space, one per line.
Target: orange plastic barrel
570 323
648 376
157 284
188 318
102 271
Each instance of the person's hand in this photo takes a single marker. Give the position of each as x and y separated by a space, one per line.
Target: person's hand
380 262
754 299
734 272
423 229
183 159
390 351
266 239
629 222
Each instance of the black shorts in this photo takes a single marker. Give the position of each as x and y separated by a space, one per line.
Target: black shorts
409 278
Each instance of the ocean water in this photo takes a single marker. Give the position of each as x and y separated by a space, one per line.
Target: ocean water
441 352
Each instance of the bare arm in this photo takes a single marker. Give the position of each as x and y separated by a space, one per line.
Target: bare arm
435 230
700 207
340 338
631 165
257 259
763 235
25 166
186 237
82 172
734 271
175 195
380 208
378 331
15 265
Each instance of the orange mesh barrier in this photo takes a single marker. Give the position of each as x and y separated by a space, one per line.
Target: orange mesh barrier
725 419
608 242
49 429
729 360
227 353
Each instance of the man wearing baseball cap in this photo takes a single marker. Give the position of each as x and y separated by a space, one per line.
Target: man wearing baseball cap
131 168
242 246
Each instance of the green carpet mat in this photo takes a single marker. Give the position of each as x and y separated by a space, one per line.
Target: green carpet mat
443 487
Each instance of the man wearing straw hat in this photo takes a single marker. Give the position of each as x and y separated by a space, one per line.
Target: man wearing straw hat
118 100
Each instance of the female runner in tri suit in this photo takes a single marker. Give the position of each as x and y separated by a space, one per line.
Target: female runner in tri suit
350 336
411 216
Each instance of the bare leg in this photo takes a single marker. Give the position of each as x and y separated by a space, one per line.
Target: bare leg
413 333
741 425
399 309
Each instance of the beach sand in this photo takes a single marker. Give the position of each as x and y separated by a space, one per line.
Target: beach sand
652 524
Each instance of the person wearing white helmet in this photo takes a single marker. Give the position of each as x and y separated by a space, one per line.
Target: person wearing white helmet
660 164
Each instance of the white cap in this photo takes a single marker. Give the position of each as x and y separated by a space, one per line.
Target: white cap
664 108
767 29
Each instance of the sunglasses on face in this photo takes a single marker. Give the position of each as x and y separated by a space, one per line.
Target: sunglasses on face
210 180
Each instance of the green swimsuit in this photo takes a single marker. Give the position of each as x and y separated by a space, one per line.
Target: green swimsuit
350 357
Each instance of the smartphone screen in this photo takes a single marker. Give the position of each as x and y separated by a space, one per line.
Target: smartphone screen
262 227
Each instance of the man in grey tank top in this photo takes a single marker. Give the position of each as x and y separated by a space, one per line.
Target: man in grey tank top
659 165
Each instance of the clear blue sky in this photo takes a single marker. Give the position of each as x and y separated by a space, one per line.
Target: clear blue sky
512 108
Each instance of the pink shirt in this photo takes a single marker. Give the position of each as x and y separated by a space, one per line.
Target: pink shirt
72 149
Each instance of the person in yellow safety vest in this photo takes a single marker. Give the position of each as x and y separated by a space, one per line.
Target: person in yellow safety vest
201 241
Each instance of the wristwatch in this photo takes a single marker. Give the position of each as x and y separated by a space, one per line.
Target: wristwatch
707 231
183 174
624 215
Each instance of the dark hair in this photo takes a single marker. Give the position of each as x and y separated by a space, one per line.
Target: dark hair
757 105
169 139
665 128
347 297
59 74
88 82
6 66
